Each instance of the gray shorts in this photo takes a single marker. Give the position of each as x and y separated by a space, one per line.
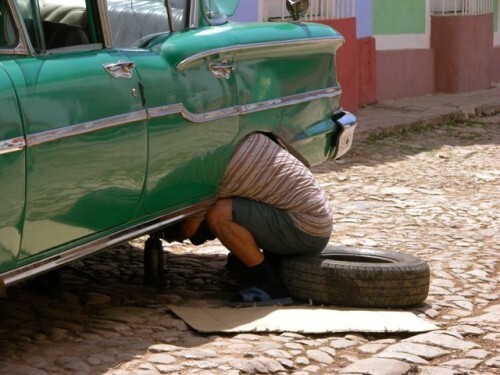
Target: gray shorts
274 229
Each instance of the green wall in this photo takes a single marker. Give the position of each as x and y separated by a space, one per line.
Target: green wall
398 17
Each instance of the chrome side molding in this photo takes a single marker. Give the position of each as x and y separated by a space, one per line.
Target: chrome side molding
86 127
243 109
241 52
12 145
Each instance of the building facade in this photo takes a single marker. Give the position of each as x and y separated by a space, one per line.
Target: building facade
396 49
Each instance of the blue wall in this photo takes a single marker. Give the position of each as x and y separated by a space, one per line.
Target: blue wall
248 11
364 18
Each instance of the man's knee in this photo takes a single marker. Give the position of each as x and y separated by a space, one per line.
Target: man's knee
220 212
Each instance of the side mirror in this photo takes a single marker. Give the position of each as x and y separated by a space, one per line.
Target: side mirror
297 8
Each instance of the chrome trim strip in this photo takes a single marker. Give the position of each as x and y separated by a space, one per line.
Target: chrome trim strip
178 108
292 100
86 127
165 110
19 50
193 14
213 115
24 46
12 145
243 109
106 28
283 45
17 275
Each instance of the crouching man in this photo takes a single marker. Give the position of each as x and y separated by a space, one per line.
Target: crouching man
268 203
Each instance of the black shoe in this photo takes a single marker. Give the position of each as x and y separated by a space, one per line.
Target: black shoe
233 264
273 258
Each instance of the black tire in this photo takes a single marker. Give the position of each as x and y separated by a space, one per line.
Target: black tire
358 277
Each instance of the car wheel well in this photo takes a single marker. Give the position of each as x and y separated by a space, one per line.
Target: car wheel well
287 146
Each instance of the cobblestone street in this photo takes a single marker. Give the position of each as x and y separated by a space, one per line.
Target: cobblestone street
433 192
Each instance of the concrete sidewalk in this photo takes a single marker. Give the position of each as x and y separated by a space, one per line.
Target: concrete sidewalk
396 115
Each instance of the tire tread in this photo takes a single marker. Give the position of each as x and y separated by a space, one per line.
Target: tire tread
327 281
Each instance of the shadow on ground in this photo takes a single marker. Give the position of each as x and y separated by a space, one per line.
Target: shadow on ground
100 311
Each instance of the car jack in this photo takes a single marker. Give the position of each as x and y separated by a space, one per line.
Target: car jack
154 261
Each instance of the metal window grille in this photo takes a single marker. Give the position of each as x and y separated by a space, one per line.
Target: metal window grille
461 7
275 10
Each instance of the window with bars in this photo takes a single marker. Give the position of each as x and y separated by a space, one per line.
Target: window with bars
275 10
461 7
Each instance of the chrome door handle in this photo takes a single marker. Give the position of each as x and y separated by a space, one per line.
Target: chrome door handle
221 69
120 69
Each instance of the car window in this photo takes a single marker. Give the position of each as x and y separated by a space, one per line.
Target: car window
8 35
51 24
30 14
64 23
133 22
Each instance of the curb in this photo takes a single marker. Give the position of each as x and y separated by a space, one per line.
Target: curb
373 131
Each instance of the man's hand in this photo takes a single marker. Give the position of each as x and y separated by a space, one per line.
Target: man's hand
174 233
182 230
202 235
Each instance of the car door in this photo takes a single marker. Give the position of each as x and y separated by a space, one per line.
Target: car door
85 127
191 129
12 172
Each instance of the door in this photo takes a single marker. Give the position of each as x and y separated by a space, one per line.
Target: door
85 126
191 129
12 174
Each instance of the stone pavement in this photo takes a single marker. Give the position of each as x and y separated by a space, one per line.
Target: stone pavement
433 192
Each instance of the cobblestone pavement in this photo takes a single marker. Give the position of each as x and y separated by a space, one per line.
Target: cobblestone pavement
433 193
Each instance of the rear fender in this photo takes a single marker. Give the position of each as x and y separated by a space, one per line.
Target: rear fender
287 146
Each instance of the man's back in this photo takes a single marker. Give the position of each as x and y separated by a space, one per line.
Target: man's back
263 171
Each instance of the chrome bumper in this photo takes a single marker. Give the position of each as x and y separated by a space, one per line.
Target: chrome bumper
342 140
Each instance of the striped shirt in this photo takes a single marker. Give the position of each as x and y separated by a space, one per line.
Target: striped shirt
263 171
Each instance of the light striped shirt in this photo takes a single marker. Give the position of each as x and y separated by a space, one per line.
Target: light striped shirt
261 170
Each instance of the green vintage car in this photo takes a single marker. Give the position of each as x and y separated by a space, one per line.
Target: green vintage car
117 117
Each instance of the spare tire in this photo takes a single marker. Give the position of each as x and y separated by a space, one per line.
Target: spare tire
358 277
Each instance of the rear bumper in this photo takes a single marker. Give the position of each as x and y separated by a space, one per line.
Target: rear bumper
342 138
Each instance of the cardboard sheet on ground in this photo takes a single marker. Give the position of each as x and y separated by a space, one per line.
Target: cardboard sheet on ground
300 319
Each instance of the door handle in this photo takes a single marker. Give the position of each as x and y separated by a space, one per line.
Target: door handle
120 69
221 69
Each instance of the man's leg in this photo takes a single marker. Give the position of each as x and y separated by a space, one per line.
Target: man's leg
233 236
268 289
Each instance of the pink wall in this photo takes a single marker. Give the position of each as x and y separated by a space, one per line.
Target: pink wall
495 73
404 73
347 62
463 52
367 62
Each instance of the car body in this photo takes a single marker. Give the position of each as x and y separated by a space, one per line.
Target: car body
118 117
